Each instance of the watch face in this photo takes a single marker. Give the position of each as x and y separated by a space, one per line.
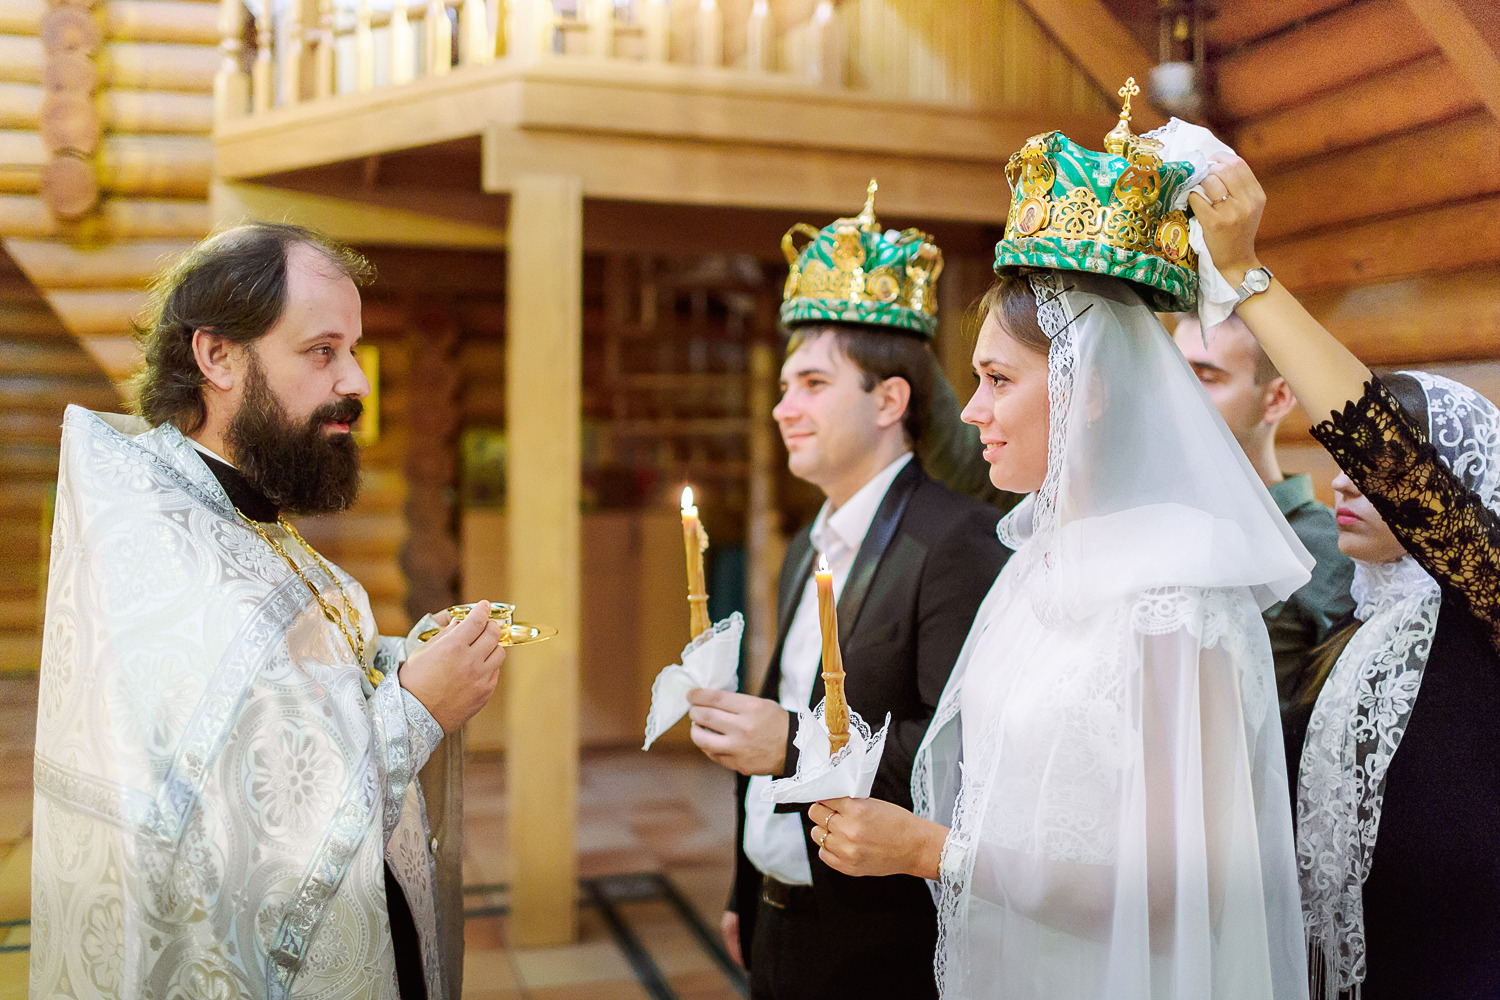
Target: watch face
1258 280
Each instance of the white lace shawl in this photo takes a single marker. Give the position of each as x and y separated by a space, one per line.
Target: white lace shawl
1107 752
1363 709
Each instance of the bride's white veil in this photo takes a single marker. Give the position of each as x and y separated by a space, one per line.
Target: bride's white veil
1145 486
1115 783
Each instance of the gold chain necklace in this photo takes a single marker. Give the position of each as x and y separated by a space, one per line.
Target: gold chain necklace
356 640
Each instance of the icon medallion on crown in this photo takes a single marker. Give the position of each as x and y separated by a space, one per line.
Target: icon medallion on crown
1105 212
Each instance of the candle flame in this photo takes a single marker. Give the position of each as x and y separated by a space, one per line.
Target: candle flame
687 497
822 563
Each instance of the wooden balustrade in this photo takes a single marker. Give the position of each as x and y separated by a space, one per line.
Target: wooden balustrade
317 49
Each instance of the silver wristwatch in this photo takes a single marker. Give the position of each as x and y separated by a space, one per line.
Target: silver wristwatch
1257 280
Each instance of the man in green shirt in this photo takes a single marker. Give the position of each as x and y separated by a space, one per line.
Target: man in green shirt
1253 398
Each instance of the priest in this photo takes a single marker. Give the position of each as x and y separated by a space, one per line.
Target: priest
228 799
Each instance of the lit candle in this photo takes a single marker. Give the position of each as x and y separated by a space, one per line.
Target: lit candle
835 705
695 540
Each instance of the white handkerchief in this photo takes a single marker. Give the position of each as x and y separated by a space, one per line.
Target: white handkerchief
850 773
712 660
1184 142
1217 298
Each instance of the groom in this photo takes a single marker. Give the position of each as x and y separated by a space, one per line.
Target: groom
911 561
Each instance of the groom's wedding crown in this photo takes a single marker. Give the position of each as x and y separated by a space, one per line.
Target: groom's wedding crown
1109 213
852 272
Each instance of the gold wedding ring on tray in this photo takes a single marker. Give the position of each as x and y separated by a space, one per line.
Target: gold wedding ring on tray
516 633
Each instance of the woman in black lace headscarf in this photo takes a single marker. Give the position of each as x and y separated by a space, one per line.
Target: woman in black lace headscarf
1399 795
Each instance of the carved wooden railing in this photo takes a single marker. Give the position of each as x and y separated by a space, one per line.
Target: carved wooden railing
310 50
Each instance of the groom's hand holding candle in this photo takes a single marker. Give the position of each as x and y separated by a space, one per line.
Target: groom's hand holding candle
744 733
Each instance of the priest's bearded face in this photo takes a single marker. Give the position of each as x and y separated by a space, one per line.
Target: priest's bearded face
290 434
1010 407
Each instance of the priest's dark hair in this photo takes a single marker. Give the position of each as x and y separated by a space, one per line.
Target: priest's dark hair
880 354
232 284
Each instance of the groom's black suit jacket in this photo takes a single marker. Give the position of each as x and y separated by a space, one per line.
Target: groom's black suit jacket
925 565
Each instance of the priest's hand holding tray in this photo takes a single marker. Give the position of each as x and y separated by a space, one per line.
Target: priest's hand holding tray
514 633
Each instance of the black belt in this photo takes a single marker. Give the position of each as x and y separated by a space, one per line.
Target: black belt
786 897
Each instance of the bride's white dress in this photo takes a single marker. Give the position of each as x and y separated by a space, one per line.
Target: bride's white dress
1108 751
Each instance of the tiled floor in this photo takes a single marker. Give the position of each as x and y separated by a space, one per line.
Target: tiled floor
667 812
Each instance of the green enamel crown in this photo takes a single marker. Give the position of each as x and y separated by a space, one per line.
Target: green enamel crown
1108 213
851 272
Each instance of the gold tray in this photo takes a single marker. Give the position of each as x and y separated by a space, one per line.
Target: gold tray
521 633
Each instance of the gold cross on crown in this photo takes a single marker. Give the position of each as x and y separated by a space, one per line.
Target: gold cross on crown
1128 91
866 218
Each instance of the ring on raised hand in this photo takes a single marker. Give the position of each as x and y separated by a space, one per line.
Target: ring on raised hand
823 838
1222 200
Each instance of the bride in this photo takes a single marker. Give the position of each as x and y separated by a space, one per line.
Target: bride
1101 799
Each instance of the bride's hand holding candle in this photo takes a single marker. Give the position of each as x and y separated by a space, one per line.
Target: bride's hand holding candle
876 837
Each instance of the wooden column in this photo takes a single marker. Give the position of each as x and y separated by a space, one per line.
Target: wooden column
543 408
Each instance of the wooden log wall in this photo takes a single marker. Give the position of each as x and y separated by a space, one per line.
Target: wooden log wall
1380 154
1381 163
105 114
42 370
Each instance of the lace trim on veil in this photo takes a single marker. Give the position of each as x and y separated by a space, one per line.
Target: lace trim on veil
1222 618
1362 713
1035 519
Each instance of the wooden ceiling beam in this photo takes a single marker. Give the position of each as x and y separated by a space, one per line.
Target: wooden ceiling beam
1463 44
1398 175
1398 100
764 177
1449 238
1345 45
1237 23
1428 318
349 220
1102 47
